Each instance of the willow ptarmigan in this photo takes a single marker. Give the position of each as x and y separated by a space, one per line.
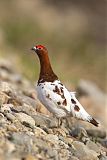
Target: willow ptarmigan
54 95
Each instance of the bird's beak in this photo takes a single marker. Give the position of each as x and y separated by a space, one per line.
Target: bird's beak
34 49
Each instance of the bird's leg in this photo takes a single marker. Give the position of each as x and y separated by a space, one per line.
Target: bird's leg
59 122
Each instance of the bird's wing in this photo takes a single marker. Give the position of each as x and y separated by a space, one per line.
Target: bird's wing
55 97
61 102
79 112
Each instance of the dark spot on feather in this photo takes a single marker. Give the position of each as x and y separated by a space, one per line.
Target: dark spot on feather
64 102
76 108
62 96
58 103
48 96
39 84
59 91
56 90
52 84
62 90
73 101
61 84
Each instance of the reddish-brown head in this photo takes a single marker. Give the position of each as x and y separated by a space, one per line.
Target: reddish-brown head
46 72
40 49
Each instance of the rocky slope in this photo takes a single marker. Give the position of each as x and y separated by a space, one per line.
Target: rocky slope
29 132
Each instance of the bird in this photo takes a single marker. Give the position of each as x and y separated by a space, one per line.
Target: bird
54 95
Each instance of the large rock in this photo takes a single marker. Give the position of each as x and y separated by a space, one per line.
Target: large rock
83 152
25 119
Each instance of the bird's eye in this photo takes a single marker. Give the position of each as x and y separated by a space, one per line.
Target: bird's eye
39 48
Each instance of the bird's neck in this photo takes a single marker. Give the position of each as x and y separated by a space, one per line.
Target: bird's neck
46 72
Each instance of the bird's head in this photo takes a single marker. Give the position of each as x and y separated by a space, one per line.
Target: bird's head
39 49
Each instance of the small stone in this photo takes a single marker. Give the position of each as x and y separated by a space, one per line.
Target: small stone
59 131
1 116
10 117
12 128
42 120
79 132
2 119
6 108
25 119
26 100
52 138
74 158
63 144
47 130
96 133
68 141
65 154
10 147
16 78
3 98
30 157
6 65
39 132
103 142
93 146
28 109
102 157
83 152
5 87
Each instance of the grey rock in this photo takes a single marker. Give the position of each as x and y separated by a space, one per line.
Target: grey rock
12 128
65 154
21 138
25 100
83 152
52 138
10 117
91 89
102 157
39 132
16 78
94 146
10 147
79 132
96 133
73 158
3 98
42 120
6 108
25 119
2 119
68 140
6 65
25 108
5 87
103 142
59 131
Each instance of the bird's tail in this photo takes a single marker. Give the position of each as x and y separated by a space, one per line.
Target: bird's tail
94 122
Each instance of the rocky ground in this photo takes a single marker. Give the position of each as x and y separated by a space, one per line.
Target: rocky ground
29 132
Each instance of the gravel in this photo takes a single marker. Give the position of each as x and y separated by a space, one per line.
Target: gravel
26 134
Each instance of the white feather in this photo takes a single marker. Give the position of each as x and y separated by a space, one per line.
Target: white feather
60 110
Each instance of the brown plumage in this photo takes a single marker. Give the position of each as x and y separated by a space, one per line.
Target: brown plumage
46 72
94 122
